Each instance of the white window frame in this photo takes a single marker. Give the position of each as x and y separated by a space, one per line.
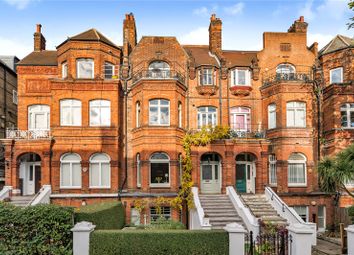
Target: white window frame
273 178
303 162
105 70
100 162
151 161
64 70
180 166
137 114
71 108
307 211
159 106
88 60
179 114
235 74
71 162
272 110
294 106
138 171
162 72
100 107
14 97
333 70
236 111
348 109
212 115
32 112
204 76
324 218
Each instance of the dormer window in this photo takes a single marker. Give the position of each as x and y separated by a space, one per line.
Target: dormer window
159 70
85 68
206 76
64 70
240 77
108 70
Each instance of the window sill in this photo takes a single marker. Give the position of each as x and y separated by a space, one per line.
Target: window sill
273 184
99 187
71 187
160 185
157 125
297 185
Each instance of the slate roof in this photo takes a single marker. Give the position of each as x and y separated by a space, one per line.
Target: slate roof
337 43
40 58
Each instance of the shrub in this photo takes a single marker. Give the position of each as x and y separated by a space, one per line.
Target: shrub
163 223
41 229
351 211
155 242
108 215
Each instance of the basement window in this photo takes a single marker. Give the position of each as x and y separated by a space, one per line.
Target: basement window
302 211
165 213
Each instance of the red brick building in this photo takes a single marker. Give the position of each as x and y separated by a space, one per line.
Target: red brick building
98 121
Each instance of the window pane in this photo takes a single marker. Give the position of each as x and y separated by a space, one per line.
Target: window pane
94 175
85 68
159 173
207 172
241 77
65 174
336 75
300 118
290 118
106 116
76 174
153 116
100 157
164 115
344 119
105 177
296 173
351 119
76 116
71 157
94 116
108 71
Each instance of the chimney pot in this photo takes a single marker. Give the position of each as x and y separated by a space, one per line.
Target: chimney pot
39 28
302 19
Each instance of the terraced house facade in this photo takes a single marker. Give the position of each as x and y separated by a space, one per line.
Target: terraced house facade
98 121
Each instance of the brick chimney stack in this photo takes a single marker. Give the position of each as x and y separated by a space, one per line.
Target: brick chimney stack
299 26
215 35
129 34
39 40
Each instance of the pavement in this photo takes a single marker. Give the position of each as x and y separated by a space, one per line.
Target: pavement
324 247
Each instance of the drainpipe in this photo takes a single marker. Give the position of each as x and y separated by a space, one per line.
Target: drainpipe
220 88
5 98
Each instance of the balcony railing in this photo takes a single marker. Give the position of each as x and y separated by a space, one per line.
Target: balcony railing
158 75
27 134
246 131
302 74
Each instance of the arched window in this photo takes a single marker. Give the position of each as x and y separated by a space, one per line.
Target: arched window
240 118
38 117
159 170
85 68
100 113
285 72
296 114
159 112
272 116
347 115
138 170
297 170
159 70
207 116
100 171
179 114
137 114
70 112
70 171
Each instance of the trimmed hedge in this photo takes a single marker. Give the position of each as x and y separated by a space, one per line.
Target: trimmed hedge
108 215
154 242
41 229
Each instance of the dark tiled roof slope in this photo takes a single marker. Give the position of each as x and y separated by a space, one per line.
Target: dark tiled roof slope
40 58
337 43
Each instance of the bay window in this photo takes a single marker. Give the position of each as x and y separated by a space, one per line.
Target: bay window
159 112
64 70
347 115
159 70
297 170
240 77
336 75
85 68
159 170
207 116
108 70
206 76
285 72
296 114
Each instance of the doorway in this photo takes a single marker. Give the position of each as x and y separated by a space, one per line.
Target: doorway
210 173
245 173
30 173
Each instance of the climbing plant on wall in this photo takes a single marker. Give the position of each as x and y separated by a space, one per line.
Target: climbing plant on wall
202 137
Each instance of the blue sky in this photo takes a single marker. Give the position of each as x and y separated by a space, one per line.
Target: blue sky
244 21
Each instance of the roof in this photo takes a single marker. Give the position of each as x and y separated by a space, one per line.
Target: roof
3 64
90 35
200 55
337 43
239 58
40 58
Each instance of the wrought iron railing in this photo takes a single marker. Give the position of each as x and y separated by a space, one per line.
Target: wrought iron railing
28 134
268 243
157 75
246 131
302 74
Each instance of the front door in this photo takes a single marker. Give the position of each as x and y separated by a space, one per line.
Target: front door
245 177
210 177
32 180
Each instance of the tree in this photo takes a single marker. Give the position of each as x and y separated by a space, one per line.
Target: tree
335 173
351 6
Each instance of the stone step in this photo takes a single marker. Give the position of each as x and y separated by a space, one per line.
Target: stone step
215 215
217 210
259 214
221 219
271 218
215 200
223 207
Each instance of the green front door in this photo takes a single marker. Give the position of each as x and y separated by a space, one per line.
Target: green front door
241 178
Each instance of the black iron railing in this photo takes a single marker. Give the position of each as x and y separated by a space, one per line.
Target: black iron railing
276 243
302 74
158 75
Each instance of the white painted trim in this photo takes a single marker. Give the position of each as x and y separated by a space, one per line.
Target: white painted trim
334 69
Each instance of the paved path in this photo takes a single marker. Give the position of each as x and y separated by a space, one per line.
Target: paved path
326 248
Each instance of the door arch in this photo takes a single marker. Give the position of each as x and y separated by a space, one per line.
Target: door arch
210 173
245 173
30 173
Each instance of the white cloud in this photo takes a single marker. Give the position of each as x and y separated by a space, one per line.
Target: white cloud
322 39
202 11
199 36
19 4
234 9
12 47
333 8
307 11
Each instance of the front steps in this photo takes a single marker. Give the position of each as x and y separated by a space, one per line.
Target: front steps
21 200
262 209
219 210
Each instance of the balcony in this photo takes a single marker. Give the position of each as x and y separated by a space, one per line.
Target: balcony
158 75
302 74
247 132
27 134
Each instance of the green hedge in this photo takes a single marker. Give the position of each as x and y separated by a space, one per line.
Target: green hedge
108 215
41 229
351 211
154 242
